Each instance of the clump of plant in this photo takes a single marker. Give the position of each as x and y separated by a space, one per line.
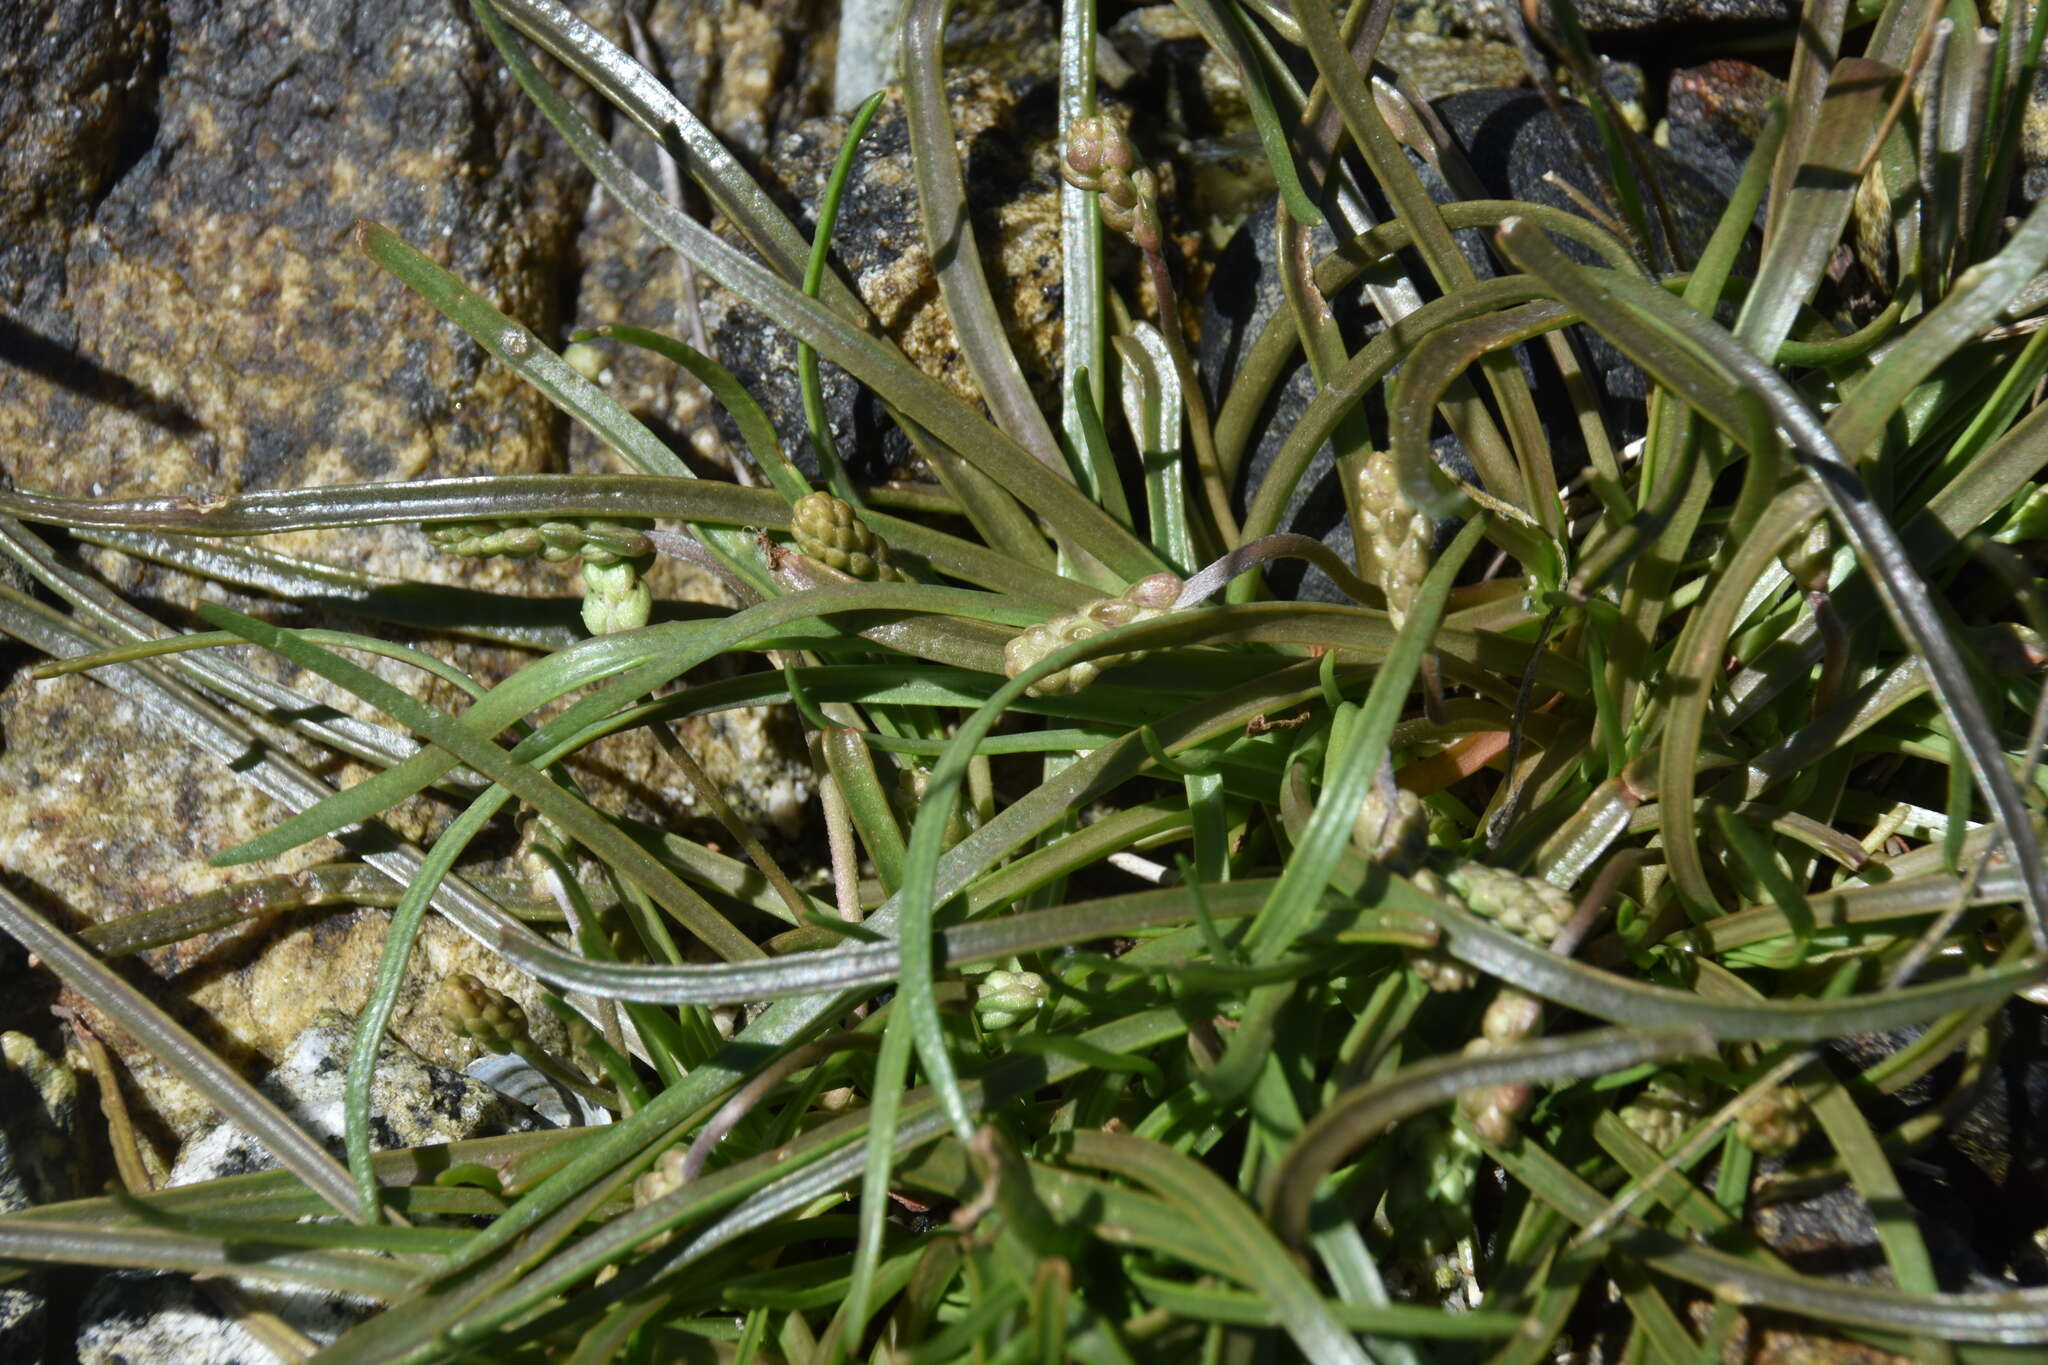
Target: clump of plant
1191 954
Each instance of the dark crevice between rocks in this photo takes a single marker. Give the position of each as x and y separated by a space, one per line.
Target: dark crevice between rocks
135 136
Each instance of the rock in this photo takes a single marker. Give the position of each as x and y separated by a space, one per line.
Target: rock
1715 111
1438 66
1975 1190
744 69
76 81
121 816
516 1079
204 305
181 312
413 1103
38 1165
193 321
1833 1235
1513 142
632 277
1761 1338
1014 41
2034 140
135 1316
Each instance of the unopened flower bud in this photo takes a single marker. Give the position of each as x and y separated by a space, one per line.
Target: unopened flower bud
481 1013
1774 1122
1494 1110
1003 999
1096 144
1525 906
1511 1017
614 598
1441 972
830 531
661 1179
1391 830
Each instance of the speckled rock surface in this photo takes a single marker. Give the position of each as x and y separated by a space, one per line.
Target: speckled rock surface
181 311
413 1103
1713 113
38 1164
2034 140
137 1317
74 76
744 69
133 1317
202 323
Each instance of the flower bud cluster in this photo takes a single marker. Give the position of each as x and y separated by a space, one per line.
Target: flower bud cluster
481 1013
661 1179
1003 999
1664 1111
1142 601
830 531
613 554
1774 1122
615 597
1100 157
1441 972
555 541
1392 830
1493 1110
1430 1206
1528 907
1395 539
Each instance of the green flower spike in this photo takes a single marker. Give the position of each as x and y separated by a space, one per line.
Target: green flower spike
1142 601
1663 1112
661 1179
830 531
1774 1122
486 1016
1395 539
1527 906
614 555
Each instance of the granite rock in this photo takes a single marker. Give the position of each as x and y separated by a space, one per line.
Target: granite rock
413 1103
181 313
1714 112
76 81
2034 140
202 306
135 1317
745 69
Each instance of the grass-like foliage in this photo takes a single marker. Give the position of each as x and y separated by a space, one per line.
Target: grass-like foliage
1192 960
